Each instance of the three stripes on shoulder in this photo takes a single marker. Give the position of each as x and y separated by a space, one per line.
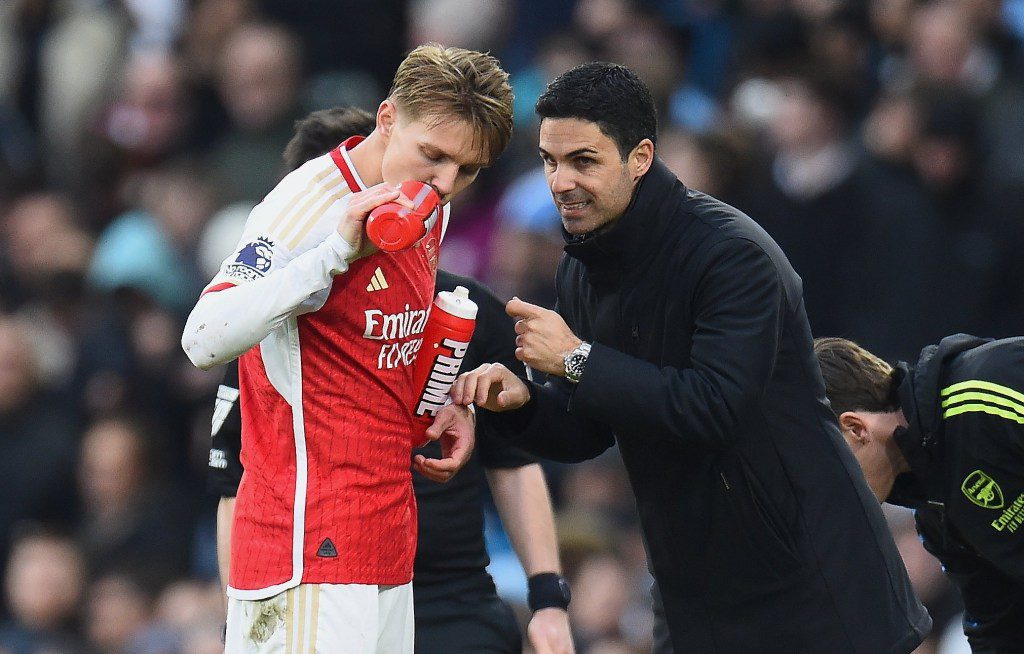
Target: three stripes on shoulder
977 396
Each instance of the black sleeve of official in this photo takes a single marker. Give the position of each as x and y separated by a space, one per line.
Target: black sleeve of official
224 469
544 426
739 307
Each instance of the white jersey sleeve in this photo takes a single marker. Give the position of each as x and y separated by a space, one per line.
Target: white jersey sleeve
284 266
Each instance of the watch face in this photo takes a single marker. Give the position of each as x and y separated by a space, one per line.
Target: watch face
575 362
563 586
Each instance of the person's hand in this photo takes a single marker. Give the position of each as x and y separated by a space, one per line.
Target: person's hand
543 337
492 386
352 226
454 427
549 632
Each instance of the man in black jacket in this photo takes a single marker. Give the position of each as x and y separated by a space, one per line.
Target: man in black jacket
947 438
681 335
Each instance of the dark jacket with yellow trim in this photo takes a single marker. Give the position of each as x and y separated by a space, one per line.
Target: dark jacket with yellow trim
964 402
762 534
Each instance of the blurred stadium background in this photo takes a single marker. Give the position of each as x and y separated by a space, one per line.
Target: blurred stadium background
881 142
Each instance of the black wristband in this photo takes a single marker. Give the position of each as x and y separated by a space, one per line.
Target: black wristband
547 590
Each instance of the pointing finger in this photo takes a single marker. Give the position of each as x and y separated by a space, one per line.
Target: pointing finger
520 309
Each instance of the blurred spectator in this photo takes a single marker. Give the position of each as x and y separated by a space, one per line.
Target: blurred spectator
43 583
187 619
37 438
80 54
220 236
473 24
260 73
145 126
601 592
131 519
117 610
557 53
600 487
211 23
947 48
151 248
841 44
713 163
841 220
978 223
890 129
19 155
366 40
658 56
596 20
807 199
157 24
45 252
528 243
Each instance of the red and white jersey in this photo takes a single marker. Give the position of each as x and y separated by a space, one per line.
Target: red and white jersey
326 393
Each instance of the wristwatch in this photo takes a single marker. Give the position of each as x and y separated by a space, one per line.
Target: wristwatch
576 361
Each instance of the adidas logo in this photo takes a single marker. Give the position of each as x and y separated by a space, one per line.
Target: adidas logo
377 282
327 549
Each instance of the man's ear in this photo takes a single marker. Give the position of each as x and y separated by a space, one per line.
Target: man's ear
387 116
641 158
854 428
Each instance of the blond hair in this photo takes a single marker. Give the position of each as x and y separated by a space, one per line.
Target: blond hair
439 83
855 379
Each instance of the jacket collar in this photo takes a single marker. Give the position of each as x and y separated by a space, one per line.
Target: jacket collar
629 238
922 442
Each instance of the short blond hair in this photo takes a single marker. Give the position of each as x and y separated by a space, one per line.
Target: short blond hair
444 83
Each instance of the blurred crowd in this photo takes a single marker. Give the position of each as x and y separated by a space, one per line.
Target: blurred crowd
880 142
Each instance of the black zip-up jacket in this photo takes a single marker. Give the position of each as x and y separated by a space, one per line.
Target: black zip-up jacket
762 533
964 403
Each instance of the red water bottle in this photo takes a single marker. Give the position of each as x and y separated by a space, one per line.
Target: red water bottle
445 340
393 227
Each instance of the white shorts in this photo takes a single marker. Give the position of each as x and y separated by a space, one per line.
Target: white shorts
324 619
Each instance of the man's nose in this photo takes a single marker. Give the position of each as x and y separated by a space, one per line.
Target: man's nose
561 180
444 180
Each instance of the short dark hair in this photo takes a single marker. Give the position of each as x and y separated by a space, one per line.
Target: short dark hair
320 131
855 379
609 95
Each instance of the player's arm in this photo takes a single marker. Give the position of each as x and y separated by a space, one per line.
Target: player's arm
267 281
524 505
225 518
224 469
537 418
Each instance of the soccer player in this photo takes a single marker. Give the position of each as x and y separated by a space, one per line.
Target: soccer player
325 521
946 438
456 606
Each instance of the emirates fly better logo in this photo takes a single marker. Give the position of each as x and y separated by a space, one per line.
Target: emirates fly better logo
405 327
